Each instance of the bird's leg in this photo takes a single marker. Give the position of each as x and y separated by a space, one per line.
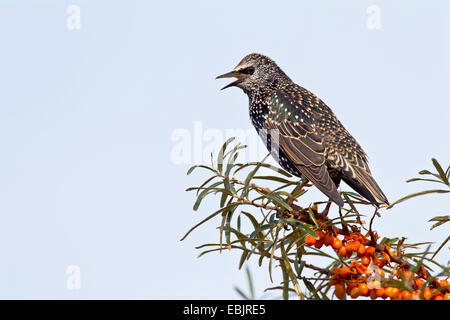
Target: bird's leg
336 180
344 224
327 208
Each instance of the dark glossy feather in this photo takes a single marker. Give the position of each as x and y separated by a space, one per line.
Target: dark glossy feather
313 141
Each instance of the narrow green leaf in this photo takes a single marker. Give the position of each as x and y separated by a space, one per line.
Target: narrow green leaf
311 288
250 176
243 258
223 199
440 171
258 230
219 249
250 283
254 222
204 193
274 178
222 227
300 225
265 165
440 247
241 293
234 204
220 156
311 215
285 282
288 269
278 201
440 220
204 184
199 166
421 179
272 254
416 195
227 226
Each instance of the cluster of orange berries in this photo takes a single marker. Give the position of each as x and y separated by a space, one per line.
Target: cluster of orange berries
364 275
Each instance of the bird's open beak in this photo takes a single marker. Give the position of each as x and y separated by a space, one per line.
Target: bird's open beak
232 74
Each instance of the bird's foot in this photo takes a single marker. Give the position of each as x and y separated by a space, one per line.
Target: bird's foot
344 224
327 209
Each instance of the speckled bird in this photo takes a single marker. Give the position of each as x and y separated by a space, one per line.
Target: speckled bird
302 132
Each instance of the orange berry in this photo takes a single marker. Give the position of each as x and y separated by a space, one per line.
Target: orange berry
343 251
363 289
370 251
310 240
386 257
434 293
318 244
354 293
349 253
361 249
447 296
349 245
395 292
373 294
407 275
320 234
419 282
328 239
345 272
365 260
381 292
335 271
406 294
335 281
388 291
361 268
424 272
378 262
427 293
352 284
337 244
443 283
391 292
339 291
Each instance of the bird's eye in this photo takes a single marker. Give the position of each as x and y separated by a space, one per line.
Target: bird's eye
248 70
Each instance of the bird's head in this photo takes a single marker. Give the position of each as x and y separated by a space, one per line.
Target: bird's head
255 72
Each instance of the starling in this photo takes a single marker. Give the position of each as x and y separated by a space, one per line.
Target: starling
308 140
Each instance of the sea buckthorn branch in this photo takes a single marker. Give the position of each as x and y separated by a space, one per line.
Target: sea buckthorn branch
362 264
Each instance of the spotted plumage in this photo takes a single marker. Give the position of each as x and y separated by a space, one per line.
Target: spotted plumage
302 132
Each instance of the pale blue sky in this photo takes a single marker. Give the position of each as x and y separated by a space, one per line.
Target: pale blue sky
86 118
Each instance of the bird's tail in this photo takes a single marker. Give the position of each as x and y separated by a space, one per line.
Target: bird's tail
366 186
321 179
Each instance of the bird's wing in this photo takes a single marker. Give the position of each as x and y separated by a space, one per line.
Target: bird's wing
300 142
346 155
351 160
